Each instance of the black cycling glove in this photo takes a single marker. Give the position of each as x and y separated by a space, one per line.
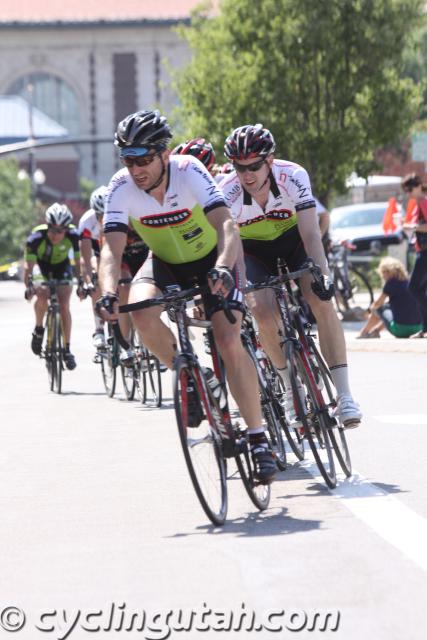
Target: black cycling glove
224 274
323 287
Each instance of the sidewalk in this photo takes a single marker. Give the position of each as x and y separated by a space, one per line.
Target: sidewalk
386 343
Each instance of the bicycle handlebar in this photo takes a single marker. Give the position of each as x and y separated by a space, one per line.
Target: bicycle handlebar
274 281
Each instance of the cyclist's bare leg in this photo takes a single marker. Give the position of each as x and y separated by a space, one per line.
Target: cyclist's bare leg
264 308
64 295
154 333
331 334
40 305
241 374
124 318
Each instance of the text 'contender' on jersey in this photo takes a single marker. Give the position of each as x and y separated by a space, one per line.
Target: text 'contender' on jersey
177 231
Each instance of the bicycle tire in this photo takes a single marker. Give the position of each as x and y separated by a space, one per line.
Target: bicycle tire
152 378
128 376
47 348
58 350
109 362
311 414
293 436
201 445
356 279
259 494
336 431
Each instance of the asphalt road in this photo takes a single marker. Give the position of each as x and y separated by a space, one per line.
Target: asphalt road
100 523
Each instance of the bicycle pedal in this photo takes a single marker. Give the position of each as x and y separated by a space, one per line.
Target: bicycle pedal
97 358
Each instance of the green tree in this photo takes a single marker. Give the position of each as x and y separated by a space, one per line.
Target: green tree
325 77
17 215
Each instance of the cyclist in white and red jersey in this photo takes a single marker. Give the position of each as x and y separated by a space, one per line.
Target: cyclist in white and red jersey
173 203
90 229
272 202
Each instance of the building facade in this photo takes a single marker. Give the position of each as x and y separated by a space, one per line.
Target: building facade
87 68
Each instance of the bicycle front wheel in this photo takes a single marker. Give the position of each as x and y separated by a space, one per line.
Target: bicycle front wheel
260 494
293 436
201 444
54 351
152 384
109 361
336 431
312 413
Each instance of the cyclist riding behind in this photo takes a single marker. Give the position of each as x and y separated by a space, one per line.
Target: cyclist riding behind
49 246
90 230
272 202
175 206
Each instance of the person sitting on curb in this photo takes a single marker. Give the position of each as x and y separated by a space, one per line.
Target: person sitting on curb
401 315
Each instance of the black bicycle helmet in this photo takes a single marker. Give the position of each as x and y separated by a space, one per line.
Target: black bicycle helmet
199 148
249 141
143 129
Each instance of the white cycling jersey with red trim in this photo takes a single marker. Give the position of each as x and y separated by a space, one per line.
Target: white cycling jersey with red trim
290 192
177 231
89 226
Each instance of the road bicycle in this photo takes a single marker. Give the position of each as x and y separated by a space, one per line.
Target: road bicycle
53 338
313 392
208 436
349 282
108 356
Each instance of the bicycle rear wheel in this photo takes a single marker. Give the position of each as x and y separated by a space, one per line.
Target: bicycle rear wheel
312 413
109 361
202 444
325 385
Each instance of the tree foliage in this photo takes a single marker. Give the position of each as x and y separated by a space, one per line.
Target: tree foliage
325 77
17 215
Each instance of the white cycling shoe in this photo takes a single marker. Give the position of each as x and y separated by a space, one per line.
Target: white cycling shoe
290 413
348 412
98 340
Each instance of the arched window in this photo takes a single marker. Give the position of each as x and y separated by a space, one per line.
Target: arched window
51 95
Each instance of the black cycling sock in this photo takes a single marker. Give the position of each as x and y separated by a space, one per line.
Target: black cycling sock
39 330
67 347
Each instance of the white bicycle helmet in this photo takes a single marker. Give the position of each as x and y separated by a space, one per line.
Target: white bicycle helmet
97 200
58 215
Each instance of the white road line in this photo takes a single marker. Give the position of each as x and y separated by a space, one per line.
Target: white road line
410 418
390 518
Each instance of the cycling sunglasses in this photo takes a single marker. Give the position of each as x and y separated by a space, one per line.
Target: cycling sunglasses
140 161
255 166
57 230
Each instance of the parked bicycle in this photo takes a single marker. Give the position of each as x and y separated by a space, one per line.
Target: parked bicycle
312 388
208 436
352 288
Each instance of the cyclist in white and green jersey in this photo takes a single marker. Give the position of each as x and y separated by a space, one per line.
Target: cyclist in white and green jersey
272 203
175 206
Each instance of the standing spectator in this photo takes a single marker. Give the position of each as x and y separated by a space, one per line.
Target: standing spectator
401 315
413 186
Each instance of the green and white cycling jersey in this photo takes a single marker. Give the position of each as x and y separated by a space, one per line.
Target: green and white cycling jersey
177 231
39 249
290 192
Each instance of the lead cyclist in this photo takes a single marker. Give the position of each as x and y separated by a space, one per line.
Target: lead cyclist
175 206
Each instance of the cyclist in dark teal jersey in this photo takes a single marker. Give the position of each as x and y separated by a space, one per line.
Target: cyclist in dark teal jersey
49 246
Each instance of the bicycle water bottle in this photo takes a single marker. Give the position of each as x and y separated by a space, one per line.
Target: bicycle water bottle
215 386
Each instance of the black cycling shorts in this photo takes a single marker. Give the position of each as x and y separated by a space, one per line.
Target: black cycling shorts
261 255
187 275
60 271
133 260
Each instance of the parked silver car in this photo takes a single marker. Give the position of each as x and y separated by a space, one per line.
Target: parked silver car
361 224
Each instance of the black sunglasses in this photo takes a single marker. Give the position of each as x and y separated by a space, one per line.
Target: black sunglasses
255 166
140 161
57 230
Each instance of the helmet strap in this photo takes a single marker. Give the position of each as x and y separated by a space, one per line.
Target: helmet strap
159 180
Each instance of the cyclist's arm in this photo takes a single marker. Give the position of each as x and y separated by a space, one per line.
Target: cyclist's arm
110 262
28 270
310 234
228 236
324 222
86 253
